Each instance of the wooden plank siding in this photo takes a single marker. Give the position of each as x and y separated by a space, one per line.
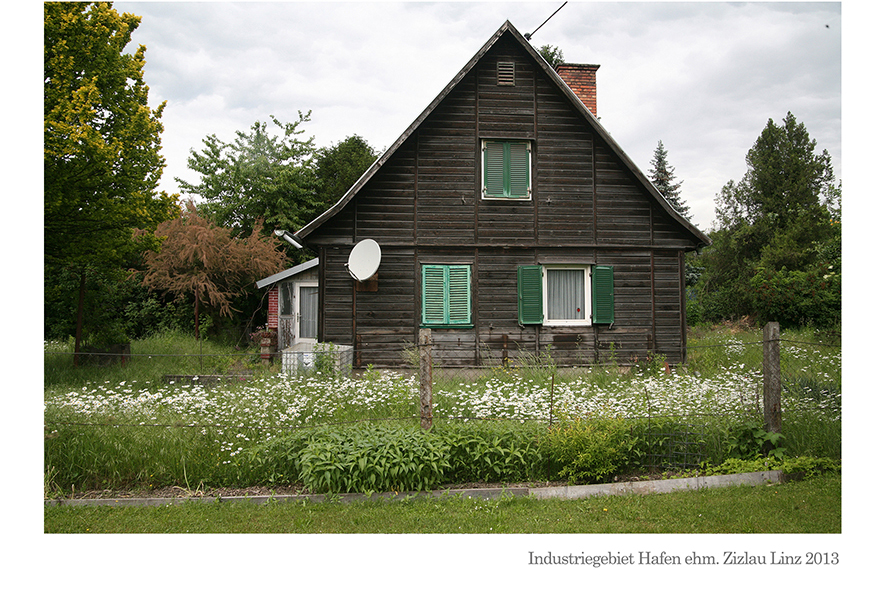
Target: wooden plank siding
423 205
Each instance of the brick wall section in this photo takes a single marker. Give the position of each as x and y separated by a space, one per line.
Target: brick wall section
582 79
273 307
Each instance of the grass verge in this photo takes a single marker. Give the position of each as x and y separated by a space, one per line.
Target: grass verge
809 506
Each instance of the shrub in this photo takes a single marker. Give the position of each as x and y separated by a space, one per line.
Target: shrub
589 449
374 458
796 298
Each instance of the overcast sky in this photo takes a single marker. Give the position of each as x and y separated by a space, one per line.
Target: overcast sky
704 78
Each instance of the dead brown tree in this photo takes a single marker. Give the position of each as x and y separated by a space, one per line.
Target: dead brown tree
202 259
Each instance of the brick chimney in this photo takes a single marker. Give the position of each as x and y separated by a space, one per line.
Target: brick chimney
582 79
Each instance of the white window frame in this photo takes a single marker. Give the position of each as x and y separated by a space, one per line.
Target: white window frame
587 318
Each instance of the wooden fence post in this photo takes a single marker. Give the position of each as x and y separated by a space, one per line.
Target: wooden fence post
425 378
772 377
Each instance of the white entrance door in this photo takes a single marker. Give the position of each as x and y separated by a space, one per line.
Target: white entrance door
306 307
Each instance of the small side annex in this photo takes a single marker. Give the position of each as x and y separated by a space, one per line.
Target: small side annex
293 304
508 220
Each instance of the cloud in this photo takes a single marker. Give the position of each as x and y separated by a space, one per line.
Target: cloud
704 78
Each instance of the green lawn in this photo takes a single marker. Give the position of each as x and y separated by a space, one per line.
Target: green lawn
810 506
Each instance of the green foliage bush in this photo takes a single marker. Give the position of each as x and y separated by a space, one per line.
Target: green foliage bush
795 298
374 458
588 449
392 456
693 311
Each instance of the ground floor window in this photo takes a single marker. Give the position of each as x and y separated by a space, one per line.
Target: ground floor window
565 294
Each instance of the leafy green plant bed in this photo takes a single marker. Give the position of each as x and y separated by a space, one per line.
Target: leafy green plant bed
393 456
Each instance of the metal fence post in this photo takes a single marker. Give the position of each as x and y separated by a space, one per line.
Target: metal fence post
772 377
425 378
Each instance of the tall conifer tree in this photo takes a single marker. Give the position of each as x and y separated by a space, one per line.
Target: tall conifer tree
665 181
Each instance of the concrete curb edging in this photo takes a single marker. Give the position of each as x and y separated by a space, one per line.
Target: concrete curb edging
659 486
562 492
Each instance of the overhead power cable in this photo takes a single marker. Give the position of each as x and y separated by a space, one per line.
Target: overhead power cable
529 35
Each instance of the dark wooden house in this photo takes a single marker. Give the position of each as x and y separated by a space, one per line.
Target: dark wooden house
509 220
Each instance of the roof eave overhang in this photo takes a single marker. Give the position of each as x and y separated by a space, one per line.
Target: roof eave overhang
273 279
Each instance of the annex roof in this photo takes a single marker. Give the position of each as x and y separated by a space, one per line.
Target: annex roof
287 273
506 29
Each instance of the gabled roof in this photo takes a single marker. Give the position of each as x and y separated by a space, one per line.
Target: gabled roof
506 29
287 273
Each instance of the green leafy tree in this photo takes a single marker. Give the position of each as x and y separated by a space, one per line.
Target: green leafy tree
101 156
776 233
665 181
552 54
202 260
257 176
340 166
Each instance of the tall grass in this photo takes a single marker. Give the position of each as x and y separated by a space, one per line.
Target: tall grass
152 357
122 426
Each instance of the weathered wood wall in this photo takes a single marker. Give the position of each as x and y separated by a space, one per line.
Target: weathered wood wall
423 206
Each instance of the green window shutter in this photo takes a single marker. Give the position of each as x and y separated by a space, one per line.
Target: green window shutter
519 170
506 168
459 292
530 289
433 309
446 295
603 294
494 167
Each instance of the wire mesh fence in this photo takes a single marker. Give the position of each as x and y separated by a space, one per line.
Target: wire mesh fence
726 377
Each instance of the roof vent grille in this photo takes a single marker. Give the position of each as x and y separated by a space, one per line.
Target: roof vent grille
507 73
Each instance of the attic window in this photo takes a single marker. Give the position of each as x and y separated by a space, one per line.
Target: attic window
507 74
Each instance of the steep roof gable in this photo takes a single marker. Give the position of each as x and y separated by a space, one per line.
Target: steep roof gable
506 29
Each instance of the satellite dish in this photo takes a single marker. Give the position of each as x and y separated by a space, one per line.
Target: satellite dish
364 259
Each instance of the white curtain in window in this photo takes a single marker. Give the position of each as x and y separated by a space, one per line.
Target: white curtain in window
308 305
566 294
